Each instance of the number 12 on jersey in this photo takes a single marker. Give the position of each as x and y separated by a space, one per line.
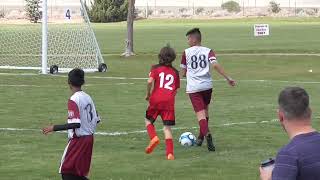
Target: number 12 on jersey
169 78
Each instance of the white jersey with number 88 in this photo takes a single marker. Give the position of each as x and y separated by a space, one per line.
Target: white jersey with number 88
197 61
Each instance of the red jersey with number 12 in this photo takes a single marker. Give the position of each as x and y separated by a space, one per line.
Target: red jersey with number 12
166 83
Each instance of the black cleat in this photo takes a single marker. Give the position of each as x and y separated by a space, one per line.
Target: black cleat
199 141
210 144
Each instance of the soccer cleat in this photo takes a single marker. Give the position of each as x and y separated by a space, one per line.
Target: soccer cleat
199 141
170 157
153 144
210 144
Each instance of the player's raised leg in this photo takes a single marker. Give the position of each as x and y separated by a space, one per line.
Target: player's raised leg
169 142
154 139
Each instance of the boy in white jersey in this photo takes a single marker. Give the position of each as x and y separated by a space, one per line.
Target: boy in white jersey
81 125
196 64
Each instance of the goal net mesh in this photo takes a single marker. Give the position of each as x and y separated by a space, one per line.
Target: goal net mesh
71 40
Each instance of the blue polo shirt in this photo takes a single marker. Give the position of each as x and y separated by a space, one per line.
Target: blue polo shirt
300 159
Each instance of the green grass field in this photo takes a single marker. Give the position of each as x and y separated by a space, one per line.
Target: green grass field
241 117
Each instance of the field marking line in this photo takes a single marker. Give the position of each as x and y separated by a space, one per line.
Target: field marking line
102 133
48 86
129 83
21 85
20 74
236 54
269 54
139 78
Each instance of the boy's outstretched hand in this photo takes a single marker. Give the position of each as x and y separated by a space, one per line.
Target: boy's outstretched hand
232 82
47 130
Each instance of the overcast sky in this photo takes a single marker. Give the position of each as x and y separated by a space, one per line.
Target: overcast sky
203 3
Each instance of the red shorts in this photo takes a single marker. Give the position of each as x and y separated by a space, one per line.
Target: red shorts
76 158
200 100
167 116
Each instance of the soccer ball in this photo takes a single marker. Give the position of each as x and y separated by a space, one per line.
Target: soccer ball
187 139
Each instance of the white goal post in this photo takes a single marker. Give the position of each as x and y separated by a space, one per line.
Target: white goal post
63 38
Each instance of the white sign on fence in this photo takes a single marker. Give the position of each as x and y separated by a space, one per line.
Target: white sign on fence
67 14
261 30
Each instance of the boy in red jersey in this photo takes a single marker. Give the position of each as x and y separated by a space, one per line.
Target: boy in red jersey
165 80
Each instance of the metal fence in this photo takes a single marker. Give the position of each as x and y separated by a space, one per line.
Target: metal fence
196 3
212 8
217 3
187 8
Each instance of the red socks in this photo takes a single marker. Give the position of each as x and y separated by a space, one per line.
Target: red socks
169 142
203 127
169 146
151 131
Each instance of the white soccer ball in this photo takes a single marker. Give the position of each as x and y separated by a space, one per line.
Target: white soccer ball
187 139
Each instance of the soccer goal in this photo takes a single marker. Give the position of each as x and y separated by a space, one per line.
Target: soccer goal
48 35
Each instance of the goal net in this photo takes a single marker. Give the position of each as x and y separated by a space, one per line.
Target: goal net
66 40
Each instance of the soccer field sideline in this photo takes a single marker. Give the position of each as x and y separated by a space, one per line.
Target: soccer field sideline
240 54
103 133
136 78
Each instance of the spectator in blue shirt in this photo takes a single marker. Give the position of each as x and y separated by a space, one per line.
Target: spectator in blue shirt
300 159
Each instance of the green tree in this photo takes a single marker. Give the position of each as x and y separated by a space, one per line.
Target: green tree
108 10
231 6
32 8
274 7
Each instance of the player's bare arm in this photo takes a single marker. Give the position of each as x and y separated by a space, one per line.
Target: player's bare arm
62 127
221 71
183 65
149 88
183 72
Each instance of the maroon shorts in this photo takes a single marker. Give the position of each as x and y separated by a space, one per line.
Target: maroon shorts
200 100
167 116
76 158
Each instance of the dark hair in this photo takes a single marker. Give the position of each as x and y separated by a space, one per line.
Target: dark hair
167 55
294 102
76 77
195 32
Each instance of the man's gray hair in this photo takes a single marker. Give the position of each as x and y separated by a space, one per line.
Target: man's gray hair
294 102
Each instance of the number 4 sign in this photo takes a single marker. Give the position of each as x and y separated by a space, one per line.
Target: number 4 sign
67 14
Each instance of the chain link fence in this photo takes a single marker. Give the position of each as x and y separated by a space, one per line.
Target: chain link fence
189 8
212 8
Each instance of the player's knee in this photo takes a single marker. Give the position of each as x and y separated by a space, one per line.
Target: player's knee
167 129
201 114
167 132
147 121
